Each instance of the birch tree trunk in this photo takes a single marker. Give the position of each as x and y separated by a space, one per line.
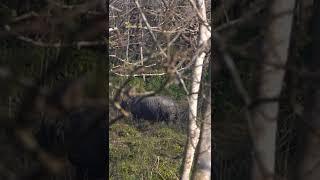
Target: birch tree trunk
193 129
203 166
309 168
264 115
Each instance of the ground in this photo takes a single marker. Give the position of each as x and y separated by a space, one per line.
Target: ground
145 151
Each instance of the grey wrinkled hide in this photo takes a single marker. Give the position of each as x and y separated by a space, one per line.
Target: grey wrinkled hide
153 108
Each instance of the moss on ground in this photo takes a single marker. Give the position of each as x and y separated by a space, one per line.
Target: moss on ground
148 152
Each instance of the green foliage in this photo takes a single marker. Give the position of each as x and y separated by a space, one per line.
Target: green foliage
155 82
175 91
138 83
149 153
129 25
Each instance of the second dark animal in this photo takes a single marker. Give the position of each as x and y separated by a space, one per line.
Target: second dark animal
71 127
85 134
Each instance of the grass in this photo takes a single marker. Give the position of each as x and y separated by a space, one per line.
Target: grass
145 151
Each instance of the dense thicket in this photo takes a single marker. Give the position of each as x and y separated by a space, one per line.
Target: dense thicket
44 44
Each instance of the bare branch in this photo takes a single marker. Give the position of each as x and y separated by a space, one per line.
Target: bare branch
149 28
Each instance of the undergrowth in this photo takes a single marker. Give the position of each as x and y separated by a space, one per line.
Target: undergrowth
147 151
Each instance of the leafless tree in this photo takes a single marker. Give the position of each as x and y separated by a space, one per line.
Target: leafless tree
194 131
264 115
203 154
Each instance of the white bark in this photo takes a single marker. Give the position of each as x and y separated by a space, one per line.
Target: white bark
264 115
203 166
193 129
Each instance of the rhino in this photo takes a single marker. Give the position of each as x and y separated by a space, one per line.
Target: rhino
152 108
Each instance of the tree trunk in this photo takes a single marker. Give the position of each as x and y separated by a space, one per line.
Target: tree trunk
193 129
203 166
264 115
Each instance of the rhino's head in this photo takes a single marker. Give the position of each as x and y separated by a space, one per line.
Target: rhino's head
126 103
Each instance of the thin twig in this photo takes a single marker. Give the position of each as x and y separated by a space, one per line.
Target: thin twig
149 29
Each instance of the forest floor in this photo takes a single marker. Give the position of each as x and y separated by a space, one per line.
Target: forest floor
145 151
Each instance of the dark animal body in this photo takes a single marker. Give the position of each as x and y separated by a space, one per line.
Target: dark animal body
86 137
153 108
82 135
74 129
